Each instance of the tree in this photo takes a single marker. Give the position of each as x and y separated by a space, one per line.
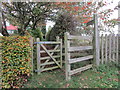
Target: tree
84 11
27 15
30 14
64 23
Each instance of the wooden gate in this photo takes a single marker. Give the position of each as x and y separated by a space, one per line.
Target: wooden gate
53 57
69 49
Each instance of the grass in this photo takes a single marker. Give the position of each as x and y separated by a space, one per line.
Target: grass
101 77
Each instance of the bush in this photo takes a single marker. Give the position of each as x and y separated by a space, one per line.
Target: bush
16 61
37 33
64 23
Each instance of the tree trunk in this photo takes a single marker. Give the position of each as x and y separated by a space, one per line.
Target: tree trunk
4 30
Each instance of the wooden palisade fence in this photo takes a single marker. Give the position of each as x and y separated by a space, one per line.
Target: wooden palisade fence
109 48
51 57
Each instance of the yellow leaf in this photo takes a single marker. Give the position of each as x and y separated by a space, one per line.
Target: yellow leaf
22 68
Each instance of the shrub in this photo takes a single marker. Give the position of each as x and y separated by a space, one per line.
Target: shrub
64 23
37 33
16 61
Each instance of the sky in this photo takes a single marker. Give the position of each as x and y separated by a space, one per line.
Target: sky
113 16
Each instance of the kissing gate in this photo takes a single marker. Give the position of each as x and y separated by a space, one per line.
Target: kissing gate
53 57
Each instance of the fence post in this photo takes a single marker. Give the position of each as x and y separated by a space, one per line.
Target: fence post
58 39
106 48
67 56
117 48
110 48
31 45
0 64
96 41
38 56
61 52
102 49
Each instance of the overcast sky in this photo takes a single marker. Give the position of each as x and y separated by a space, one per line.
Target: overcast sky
111 6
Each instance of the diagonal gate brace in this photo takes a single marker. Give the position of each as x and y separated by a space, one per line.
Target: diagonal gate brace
50 55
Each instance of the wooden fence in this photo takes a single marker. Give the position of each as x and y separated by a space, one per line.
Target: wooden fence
0 63
52 60
69 60
108 48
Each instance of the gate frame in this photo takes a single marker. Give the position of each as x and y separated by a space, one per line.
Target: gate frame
50 54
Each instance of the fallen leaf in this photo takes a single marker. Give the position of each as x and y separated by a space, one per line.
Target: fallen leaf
116 79
67 85
86 77
85 86
83 79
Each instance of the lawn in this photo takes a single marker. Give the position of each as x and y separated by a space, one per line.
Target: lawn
101 77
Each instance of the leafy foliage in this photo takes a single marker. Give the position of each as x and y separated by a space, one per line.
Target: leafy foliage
16 61
37 33
64 23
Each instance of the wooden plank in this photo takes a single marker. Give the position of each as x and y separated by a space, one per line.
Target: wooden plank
117 48
96 42
106 48
114 47
38 55
58 39
48 42
50 55
61 52
71 49
48 63
67 56
80 69
80 37
102 49
57 56
110 42
42 51
51 68
0 63
80 59
43 58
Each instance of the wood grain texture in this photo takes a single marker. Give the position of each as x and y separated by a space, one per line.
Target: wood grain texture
38 56
80 59
80 69
80 48
97 41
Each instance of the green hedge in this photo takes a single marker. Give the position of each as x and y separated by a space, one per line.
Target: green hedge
16 61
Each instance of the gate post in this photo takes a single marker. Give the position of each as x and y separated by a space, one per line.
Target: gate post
58 39
96 41
1 63
67 56
38 56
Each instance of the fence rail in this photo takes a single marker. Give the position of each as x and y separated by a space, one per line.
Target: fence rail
69 61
